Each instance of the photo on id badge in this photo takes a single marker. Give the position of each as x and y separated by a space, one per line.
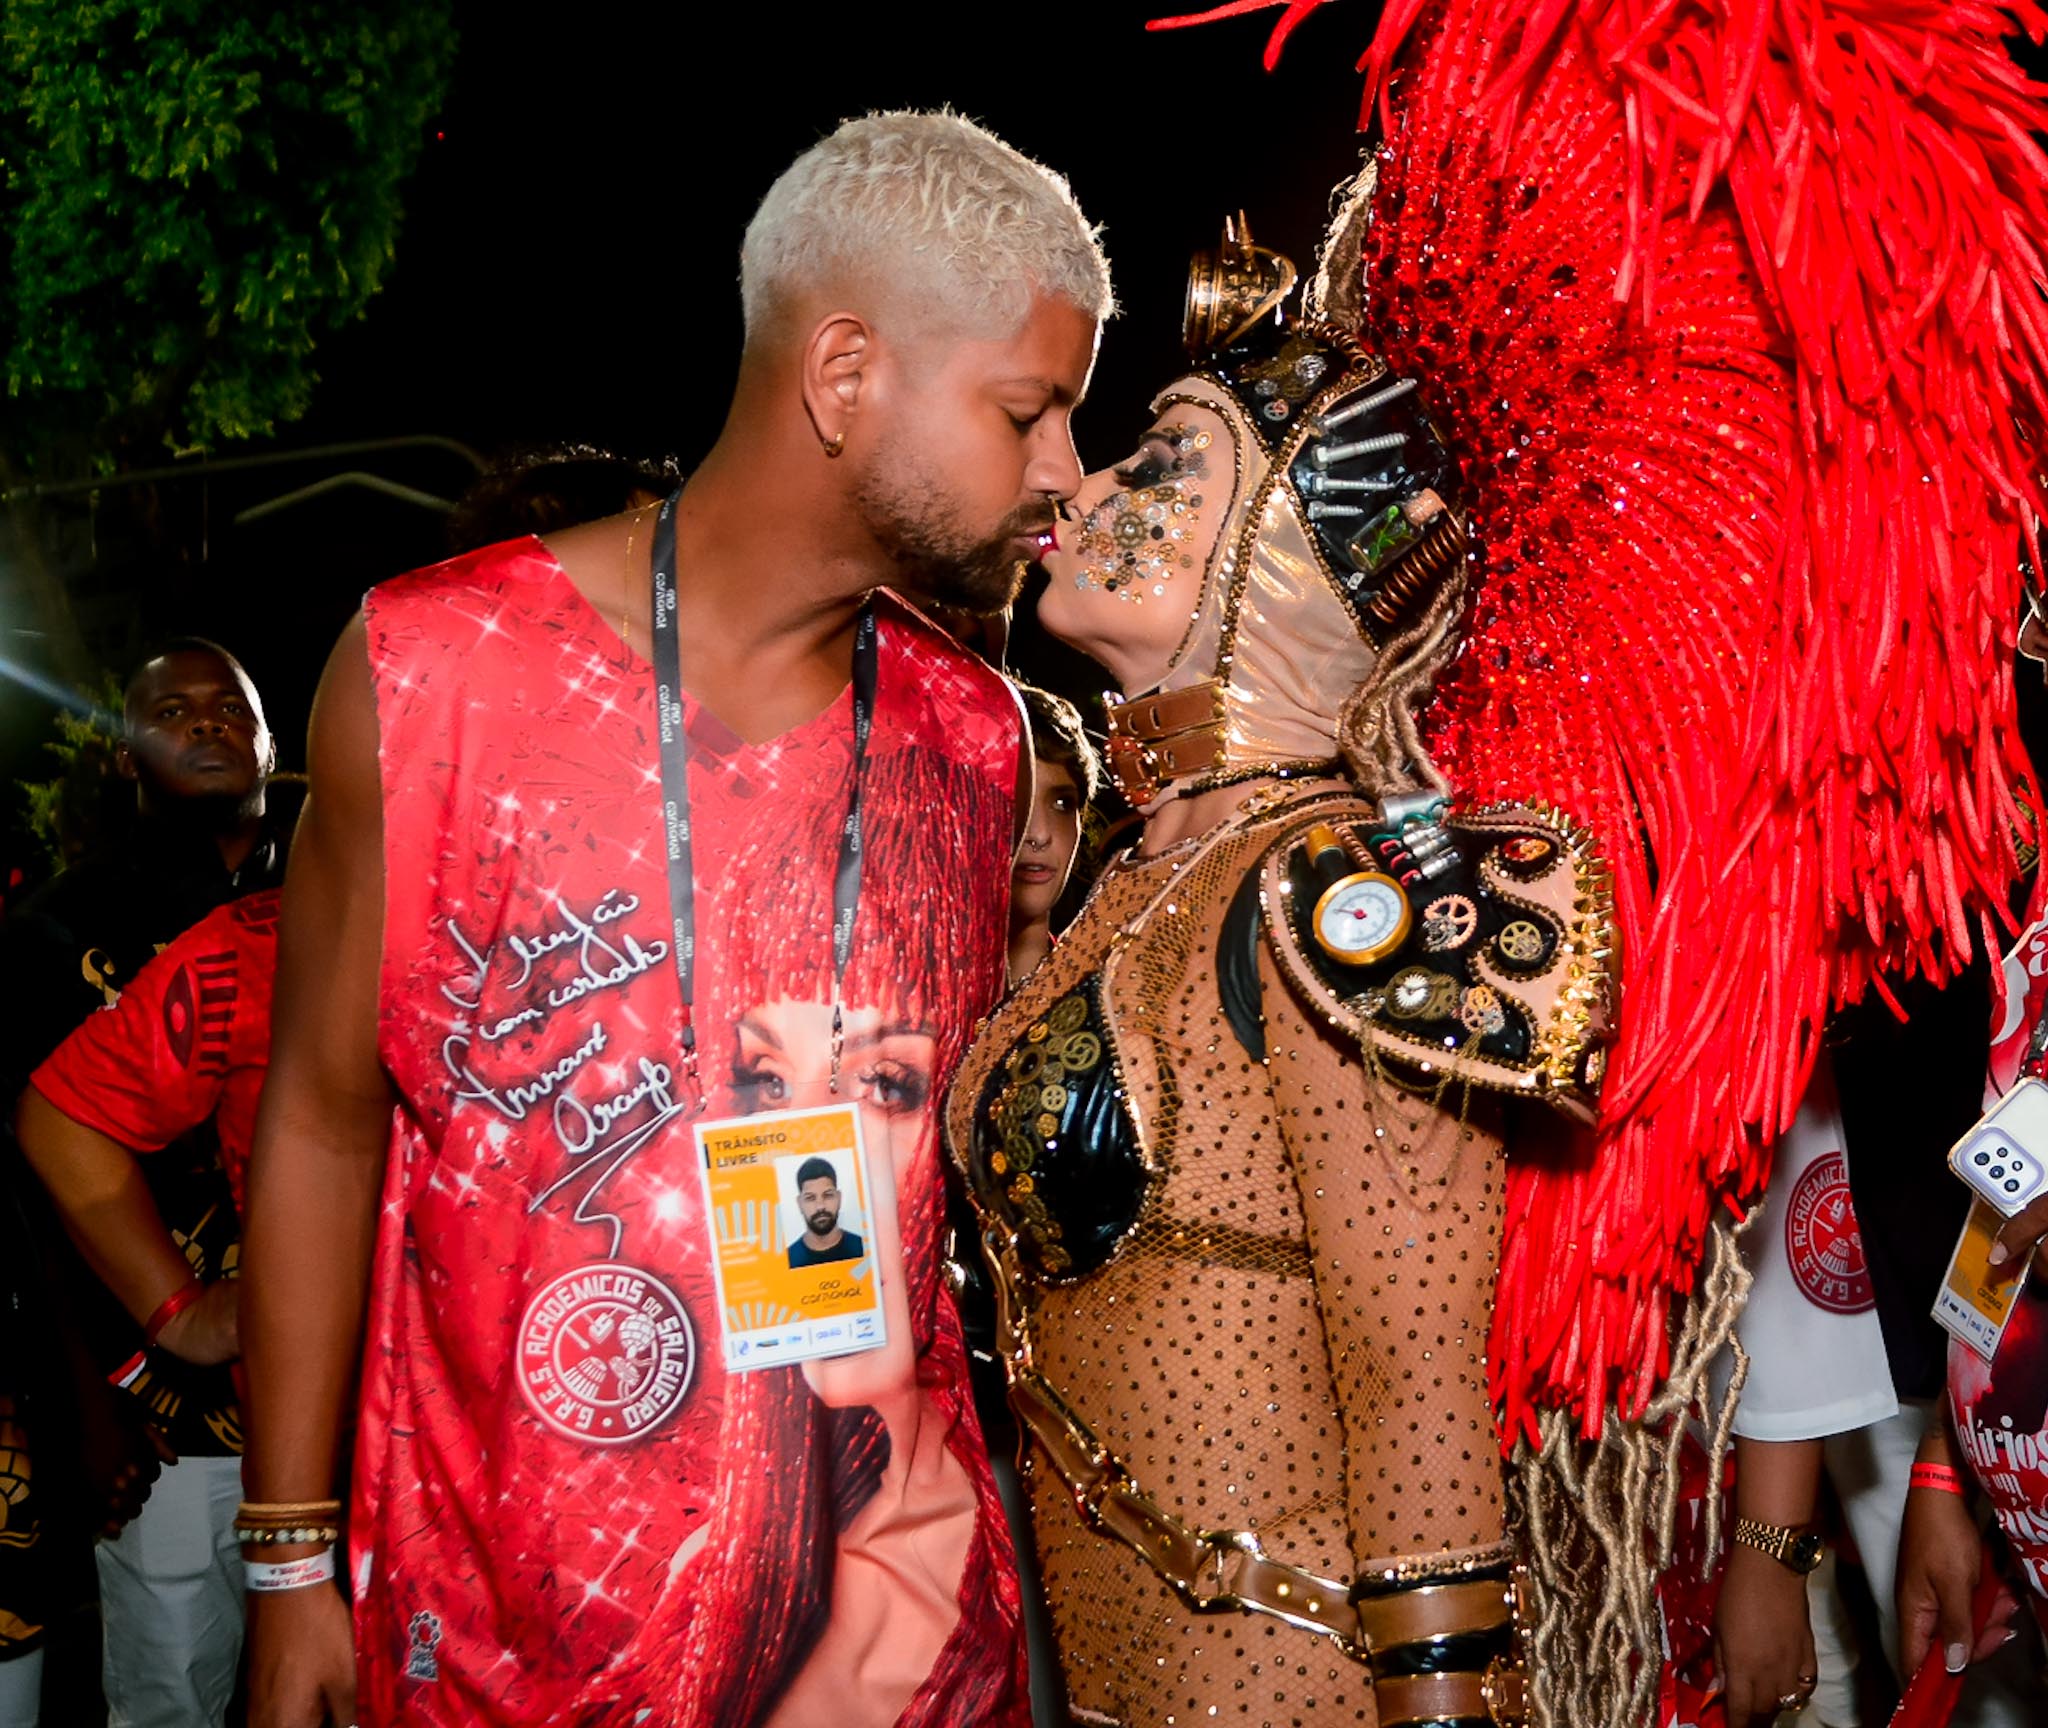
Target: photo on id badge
787 1193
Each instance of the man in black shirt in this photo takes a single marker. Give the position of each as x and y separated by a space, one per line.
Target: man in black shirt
200 756
817 1197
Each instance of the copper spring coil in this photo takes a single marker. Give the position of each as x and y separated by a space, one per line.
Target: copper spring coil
1441 546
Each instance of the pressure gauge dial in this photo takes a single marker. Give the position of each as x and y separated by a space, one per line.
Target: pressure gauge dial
1362 918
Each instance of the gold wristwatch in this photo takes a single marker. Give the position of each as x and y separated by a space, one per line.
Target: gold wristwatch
1796 1549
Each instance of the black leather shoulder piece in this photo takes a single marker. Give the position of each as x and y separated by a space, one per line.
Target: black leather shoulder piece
1237 968
1504 974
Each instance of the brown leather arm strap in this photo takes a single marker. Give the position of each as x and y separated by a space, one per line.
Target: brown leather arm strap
1498 1696
1423 1611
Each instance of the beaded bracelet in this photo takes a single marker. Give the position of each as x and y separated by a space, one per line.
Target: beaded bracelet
260 1522
1944 1477
260 1536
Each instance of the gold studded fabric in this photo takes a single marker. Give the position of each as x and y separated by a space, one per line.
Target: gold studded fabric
1290 1339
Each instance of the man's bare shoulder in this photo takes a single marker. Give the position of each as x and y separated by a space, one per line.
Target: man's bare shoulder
594 556
489 572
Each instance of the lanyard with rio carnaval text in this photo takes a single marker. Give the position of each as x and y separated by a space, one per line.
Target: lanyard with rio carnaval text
675 790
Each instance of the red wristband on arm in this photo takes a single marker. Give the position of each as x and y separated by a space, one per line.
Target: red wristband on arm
1941 1476
170 1308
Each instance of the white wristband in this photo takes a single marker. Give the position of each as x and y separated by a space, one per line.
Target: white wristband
290 1574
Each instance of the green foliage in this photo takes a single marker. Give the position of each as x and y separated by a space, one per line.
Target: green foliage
192 192
64 811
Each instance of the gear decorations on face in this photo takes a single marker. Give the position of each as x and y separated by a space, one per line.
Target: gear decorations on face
1339 514
1135 540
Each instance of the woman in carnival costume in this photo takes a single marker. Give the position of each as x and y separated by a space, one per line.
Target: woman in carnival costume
1651 451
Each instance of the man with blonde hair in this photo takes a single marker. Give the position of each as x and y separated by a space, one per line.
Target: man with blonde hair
679 815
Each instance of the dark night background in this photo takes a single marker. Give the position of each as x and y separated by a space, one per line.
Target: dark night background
568 270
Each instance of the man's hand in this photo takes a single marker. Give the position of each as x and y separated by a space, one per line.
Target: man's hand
1940 1556
210 1330
1763 1640
302 1667
122 1456
119 1456
2022 1236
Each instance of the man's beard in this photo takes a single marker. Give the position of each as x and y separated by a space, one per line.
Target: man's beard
823 1223
919 524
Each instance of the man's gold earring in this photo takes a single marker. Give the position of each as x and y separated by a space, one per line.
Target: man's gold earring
833 445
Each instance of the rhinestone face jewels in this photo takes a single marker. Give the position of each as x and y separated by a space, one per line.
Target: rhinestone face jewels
1134 541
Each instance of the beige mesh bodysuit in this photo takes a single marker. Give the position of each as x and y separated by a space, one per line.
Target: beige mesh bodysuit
1244 1232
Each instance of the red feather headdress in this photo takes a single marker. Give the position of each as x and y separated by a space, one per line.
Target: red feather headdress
1734 312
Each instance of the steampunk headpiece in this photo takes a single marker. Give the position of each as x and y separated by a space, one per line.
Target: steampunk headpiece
1342 522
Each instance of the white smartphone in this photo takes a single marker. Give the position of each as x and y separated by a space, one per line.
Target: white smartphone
2005 1157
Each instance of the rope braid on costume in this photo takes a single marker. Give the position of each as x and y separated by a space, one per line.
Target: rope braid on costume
1596 1520
1376 729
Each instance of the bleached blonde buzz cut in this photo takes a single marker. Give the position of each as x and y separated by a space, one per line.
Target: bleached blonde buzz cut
921 216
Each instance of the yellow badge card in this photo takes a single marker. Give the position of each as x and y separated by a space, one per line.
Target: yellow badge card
1975 1299
787 1196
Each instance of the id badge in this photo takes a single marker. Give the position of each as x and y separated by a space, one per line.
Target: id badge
793 1254
1976 1299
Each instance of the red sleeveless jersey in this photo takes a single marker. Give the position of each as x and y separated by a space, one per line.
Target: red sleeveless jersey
565 1510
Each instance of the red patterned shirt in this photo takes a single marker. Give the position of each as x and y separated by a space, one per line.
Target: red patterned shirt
565 1510
187 1042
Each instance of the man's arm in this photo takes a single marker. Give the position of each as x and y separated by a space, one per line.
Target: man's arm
314 1179
118 1086
1940 1555
97 1186
1763 1636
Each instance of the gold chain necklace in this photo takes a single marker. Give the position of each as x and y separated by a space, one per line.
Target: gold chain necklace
626 577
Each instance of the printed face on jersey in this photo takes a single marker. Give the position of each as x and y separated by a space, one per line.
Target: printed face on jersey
782 1060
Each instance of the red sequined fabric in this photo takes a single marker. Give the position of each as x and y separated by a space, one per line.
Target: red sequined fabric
566 1510
1731 311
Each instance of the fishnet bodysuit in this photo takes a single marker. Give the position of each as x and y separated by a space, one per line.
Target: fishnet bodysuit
1290 1339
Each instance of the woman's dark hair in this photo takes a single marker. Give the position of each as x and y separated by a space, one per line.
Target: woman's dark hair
542 489
1057 736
